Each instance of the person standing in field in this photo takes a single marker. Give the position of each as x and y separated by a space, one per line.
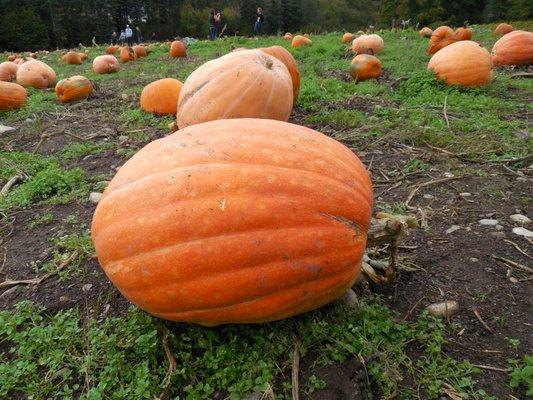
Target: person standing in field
114 38
212 25
218 23
122 38
129 35
259 21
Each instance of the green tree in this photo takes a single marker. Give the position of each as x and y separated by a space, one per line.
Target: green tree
23 30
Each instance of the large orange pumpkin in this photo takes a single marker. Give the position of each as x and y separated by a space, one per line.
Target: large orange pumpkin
347 37
161 97
247 83
105 64
8 71
73 89
368 44
127 54
299 40
503 29
463 33
286 58
514 48
12 96
238 221
140 51
441 37
425 32
72 58
36 74
178 49
464 63
365 66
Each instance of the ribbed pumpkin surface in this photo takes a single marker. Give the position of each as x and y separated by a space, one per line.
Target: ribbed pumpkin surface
12 96
74 88
365 66
161 97
36 74
105 64
514 48
238 221
289 61
8 71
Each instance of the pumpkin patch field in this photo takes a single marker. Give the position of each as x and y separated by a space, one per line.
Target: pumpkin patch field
321 216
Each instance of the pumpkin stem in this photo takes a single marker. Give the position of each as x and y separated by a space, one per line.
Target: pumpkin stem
269 64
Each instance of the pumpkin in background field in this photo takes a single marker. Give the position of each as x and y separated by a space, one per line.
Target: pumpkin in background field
463 33
347 37
8 71
105 64
127 54
19 61
112 49
72 58
36 74
300 40
161 97
178 49
83 56
243 84
32 55
287 36
368 44
514 48
238 221
365 66
12 96
11 57
73 89
503 29
425 32
464 63
140 51
286 58
441 37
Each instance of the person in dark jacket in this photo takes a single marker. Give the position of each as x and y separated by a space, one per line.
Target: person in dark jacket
212 25
259 21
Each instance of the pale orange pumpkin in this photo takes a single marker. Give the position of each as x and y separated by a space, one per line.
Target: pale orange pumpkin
463 63
441 37
463 33
73 89
347 37
286 58
425 32
235 221
72 58
127 54
300 40
161 97
368 44
365 66
178 49
105 64
247 83
19 61
287 36
503 29
8 71
36 74
12 96
514 48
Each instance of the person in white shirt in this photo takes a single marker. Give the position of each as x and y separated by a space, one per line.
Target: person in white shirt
122 38
129 35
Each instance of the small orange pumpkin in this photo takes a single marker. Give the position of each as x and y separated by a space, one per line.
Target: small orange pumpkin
441 37
161 97
276 214
11 57
286 58
73 89
300 40
36 74
12 96
463 33
247 83
72 58
514 48
8 71
425 32
368 44
105 64
127 54
503 29
178 49
287 36
347 37
83 56
365 66
140 51
112 49
463 63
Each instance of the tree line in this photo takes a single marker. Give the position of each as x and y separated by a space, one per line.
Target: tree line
41 24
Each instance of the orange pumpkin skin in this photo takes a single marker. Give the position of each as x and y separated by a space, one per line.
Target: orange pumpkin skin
83 56
19 61
73 89
347 37
36 74
368 44
514 48
112 50
11 57
243 84
286 58
140 51
32 55
161 97
239 221
127 54
287 36
300 40
72 58
8 71
463 33
425 32
105 64
464 63
178 49
503 29
365 66
441 37
12 96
